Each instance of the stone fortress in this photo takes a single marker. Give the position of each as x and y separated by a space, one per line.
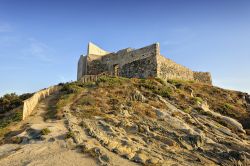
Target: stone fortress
135 63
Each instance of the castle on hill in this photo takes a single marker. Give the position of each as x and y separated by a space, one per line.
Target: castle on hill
136 63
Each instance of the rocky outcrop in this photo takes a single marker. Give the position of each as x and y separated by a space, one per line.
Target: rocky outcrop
247 97
196 138
230 122
138 96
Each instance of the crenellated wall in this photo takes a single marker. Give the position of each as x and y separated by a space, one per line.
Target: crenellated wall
30 103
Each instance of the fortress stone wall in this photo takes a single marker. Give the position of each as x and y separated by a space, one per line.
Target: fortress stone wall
30 104
139 63
204 77
168 69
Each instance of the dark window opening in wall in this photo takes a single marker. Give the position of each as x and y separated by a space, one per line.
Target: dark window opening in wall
116 70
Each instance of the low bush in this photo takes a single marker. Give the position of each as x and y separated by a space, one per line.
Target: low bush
70 88
228 106
13 117
16 140
111 80
164 92
153 86
160 80
176 83
45 131
86 101
69 134
187 110
197 100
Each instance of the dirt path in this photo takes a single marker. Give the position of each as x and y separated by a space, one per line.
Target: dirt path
51 149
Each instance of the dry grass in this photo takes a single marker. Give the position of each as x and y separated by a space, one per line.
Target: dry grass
226 102
109 93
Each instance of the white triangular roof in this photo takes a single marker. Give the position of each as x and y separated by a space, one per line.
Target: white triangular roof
94 49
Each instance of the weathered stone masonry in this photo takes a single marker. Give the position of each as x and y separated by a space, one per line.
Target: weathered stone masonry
140 63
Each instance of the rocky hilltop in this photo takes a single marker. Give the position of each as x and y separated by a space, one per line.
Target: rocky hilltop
121 121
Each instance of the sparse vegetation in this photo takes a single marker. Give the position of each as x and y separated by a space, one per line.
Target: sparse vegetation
187 110
70 134
70 88
156 87
228 106
16 140
86 101
45 131
13 117
226 102
160 81
111 81
197 100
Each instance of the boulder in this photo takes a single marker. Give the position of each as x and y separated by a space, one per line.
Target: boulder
160 113
247 98
231 123
190 91
137 96
140 158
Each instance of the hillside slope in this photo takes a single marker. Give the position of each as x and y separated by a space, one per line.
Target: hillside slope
120 121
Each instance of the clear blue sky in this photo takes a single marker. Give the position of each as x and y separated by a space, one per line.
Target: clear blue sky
41 40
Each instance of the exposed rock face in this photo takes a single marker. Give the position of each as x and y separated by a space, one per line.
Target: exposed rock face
178 138
246 97
231 123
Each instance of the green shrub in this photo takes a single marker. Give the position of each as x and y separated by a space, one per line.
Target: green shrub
197 100
111 80
89 84
160 80
228 106
16 140
164 92
69 134
45 131
175 82
148 83
13 117
87 101
63 101
11 101
187 110
70 88
152 85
